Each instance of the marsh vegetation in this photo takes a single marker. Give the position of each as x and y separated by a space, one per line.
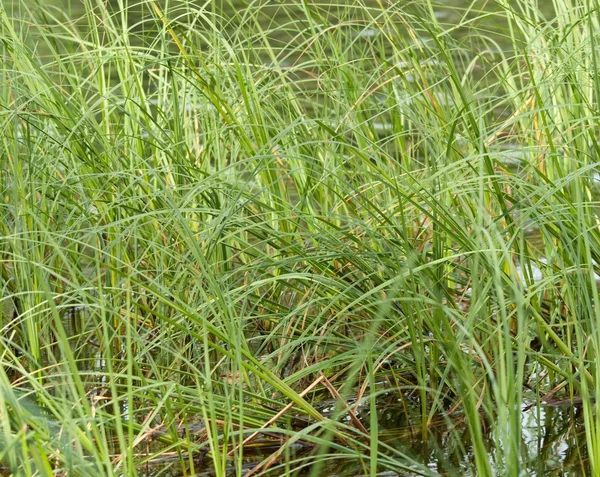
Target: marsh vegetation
299 238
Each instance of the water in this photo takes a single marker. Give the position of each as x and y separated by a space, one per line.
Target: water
553 438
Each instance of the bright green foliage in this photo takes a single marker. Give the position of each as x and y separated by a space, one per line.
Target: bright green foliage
227 215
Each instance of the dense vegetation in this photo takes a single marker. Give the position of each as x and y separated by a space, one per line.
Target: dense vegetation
216 218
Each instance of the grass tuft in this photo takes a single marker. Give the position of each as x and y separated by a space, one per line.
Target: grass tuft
286 238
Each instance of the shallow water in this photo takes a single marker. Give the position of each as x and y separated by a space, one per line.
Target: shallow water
553 438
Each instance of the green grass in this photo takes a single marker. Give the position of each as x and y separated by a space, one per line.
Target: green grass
224 215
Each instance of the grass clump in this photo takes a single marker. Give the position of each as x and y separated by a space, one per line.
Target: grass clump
217 219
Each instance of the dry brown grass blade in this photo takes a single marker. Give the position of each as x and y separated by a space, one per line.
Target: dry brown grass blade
334 393
277 416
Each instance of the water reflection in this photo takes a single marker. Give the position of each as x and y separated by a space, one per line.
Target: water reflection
552 444
552 440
